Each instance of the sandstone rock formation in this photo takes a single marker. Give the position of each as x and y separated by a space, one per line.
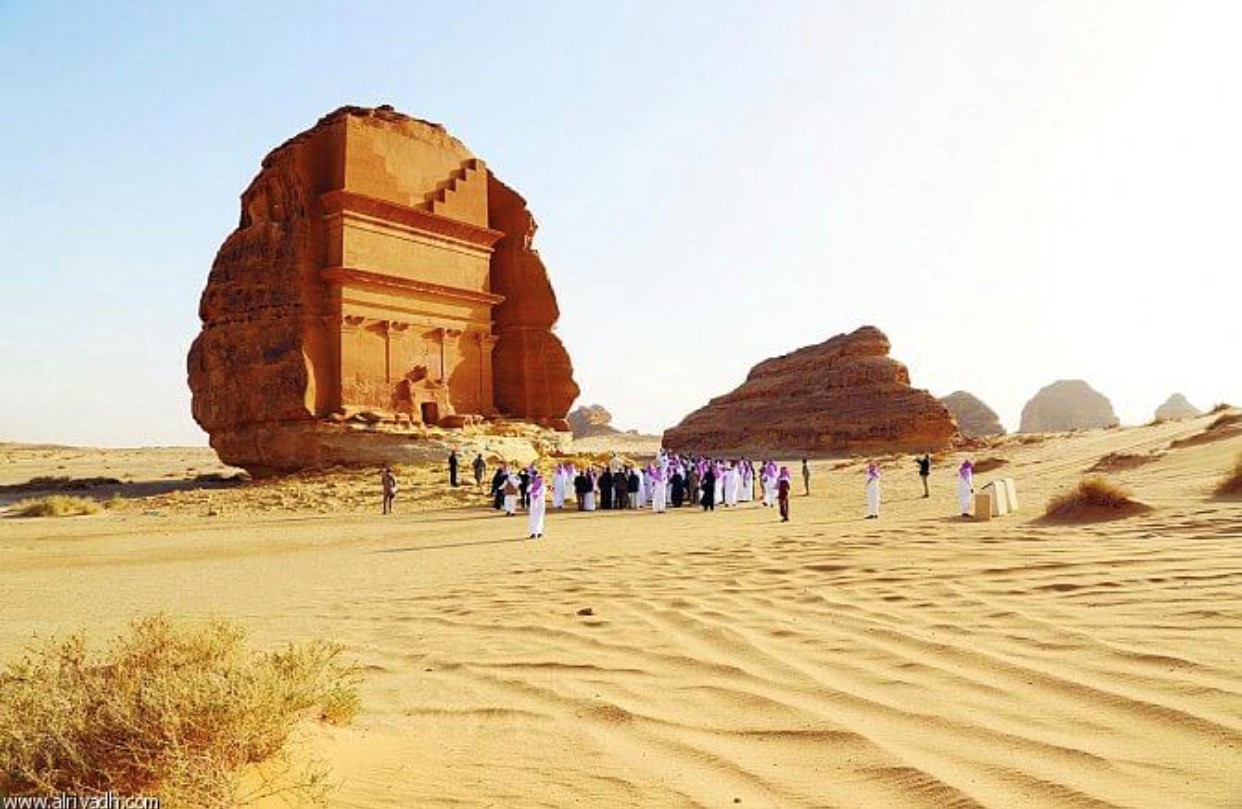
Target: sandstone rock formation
589 421
974 418
844 395
1177 407
379 271
1070 404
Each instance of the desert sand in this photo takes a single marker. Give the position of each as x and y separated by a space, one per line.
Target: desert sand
917 661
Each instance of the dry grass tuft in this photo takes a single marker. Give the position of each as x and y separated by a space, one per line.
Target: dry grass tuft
1120 461
1226 425
1231 483
1095 498
167 709
56 505
1221 407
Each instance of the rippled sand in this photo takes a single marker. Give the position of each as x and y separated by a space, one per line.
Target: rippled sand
917 661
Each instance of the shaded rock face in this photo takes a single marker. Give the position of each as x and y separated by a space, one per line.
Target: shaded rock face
974 418
1070 404
843 395
379 268
589 421
1177 407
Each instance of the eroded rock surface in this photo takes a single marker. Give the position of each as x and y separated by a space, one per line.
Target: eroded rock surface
589 421
379 272
974 418
1177 407
843 395
1069 404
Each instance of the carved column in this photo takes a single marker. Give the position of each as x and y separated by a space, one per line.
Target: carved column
487 391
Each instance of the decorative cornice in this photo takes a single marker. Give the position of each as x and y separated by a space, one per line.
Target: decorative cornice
350 275
341 202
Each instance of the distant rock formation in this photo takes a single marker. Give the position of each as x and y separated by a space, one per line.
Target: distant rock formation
589 421
1070 404
1177 407
380 274
974 418
843 395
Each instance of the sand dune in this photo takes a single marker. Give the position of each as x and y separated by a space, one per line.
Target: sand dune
917 661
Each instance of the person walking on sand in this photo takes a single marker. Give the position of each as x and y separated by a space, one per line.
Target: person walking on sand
709 489
538 506
873 491
389 483
965 486
806 478
480 470
498 486
453 469
925 472
783 485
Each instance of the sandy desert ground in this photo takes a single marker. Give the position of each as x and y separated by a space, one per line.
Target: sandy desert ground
729 660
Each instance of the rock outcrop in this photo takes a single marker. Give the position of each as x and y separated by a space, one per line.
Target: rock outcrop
1070 404
974 418
380 273
843 395
1177 407
589 421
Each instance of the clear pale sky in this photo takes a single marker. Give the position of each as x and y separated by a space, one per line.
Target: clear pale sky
1015 192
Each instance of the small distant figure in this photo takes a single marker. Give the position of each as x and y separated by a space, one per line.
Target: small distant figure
584 490
453 468
480 470
806 478
524 486
512 488
560 481
659 491
965 486
925 472
783 484
709 489
389 482
498 486
873 491
538 506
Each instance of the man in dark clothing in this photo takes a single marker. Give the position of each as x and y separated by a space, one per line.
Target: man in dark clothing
631 485
498 487
453 468
782 494
389 482
524 477
925 472
709 489
480 469
621 495
679 490
605 490
582 487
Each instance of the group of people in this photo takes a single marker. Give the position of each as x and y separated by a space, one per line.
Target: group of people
669 480
679 480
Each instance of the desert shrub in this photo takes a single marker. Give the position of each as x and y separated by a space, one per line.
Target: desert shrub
1118 461
1093 493
179 711
56 505
1231 483
1221 407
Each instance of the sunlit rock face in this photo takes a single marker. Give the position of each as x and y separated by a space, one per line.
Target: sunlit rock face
379 272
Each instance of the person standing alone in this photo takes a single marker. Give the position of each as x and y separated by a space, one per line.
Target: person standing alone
925 472
783 484
806 478
389 481
453 469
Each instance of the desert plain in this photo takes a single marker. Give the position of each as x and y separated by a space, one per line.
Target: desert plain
690 659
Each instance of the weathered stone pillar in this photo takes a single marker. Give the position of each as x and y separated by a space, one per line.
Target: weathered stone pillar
487 391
